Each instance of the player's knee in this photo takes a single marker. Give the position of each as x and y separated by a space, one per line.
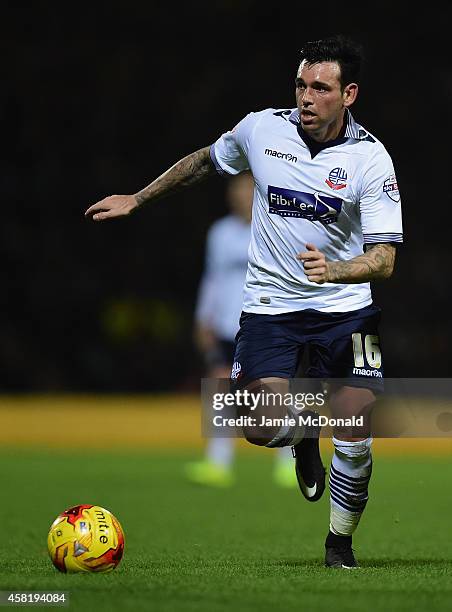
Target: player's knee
353 403
286 433
272 423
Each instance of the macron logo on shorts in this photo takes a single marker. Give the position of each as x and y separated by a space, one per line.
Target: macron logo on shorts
310 206
364 372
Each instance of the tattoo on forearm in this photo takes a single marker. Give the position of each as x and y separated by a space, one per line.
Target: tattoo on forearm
190 170
376 263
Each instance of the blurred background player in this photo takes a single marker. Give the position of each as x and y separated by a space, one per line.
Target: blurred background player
217 315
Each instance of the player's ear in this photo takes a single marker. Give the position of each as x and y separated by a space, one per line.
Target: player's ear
350 94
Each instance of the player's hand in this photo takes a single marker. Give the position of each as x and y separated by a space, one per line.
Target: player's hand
112 207
314 264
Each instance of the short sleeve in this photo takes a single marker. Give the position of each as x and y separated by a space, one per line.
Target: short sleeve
230 152
380 206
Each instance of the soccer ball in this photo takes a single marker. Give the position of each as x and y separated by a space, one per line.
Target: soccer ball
85 538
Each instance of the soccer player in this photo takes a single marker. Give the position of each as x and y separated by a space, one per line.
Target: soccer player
218 308
326 219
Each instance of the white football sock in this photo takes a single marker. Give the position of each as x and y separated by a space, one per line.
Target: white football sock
220 451
350 473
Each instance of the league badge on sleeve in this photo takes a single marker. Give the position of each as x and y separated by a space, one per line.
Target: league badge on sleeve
391 189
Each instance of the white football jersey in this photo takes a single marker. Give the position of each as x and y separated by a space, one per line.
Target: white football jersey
220 295
339 197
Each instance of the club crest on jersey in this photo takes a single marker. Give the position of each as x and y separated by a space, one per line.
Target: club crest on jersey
337 179
391 189
310 206
236 370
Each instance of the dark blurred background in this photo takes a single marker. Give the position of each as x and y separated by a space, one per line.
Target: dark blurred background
101 99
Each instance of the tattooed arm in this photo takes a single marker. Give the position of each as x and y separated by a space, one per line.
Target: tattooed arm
190 170
375 264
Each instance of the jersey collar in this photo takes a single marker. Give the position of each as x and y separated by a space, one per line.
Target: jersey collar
352 130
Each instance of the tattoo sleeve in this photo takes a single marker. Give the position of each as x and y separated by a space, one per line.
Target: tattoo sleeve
188 171
375 264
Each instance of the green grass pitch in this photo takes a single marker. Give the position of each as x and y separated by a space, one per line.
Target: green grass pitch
251 547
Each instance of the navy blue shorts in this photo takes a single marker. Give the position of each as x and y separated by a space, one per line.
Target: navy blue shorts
341 345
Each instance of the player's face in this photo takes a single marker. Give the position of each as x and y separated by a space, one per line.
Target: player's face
320 99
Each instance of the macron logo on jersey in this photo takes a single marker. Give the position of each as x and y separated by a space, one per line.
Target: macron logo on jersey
279 155
310 206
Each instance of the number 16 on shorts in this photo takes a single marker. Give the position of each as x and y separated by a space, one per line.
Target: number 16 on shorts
368 347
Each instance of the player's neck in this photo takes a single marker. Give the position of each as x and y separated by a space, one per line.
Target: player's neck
332 131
